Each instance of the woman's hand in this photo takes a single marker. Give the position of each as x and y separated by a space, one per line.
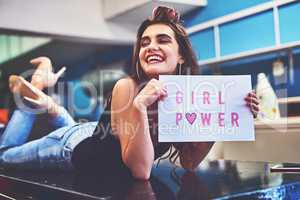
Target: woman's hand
153 91
252 102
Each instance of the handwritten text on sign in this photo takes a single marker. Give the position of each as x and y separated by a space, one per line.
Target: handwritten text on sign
205 108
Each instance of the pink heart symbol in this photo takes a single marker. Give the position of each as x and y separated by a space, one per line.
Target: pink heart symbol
191 117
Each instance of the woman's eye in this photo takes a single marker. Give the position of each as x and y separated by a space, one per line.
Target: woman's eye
164 40
144 43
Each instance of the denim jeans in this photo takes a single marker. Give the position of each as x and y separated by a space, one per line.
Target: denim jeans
52 151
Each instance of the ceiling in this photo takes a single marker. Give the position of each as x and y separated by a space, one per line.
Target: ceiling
94 21
130 16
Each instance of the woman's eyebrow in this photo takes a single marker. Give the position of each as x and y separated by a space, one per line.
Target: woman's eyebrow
144 38
164 35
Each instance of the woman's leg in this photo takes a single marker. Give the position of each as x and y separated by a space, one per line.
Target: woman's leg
46 152
63 118
59 117
53 151
17 130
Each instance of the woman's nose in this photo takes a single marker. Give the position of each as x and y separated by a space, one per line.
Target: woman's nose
153 46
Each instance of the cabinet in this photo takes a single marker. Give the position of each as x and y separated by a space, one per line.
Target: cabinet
277 141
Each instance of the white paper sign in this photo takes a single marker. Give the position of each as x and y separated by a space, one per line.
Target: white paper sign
205 108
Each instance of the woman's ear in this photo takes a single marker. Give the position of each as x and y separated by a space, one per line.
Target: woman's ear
181 60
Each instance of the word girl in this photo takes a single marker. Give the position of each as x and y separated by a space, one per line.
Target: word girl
205 118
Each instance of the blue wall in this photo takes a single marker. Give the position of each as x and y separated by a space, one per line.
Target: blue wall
98 59
218 8
264 64
289 22
202 48
246 34
250 33
80 98
258 64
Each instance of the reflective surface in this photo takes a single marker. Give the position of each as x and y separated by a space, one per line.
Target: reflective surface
212 180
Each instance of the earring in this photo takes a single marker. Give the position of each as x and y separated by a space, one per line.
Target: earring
179 69
137 71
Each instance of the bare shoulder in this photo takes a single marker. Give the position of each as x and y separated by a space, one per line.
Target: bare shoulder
124 92
125 83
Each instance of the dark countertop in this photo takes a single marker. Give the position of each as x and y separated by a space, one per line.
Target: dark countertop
212 180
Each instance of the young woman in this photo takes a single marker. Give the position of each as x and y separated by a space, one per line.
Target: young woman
125 138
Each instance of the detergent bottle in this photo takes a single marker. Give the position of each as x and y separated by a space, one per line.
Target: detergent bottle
268 102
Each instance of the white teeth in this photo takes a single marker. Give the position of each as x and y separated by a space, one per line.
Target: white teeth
154 58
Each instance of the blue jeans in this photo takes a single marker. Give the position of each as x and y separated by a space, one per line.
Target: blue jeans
52 151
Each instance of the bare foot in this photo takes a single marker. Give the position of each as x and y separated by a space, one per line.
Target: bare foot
18 85
44 75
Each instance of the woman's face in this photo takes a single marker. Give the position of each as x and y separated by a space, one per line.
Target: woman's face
159 52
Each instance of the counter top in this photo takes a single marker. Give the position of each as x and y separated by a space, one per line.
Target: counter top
218 179
282 125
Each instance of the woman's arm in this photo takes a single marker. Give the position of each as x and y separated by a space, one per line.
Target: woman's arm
130 124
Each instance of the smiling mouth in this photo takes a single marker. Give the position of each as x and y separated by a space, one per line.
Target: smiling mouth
154 59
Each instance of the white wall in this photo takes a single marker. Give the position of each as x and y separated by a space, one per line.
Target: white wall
104 21
116 7
75 18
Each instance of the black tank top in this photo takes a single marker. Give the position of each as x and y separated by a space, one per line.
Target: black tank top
101 153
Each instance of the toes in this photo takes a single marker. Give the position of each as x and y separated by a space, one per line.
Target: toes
14 83
42 59
60 72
